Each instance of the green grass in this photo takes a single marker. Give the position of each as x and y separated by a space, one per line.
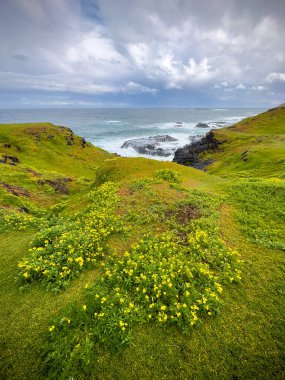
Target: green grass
254 147
260 211
244 199
25 315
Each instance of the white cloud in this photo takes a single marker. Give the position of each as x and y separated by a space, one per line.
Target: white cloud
240 86
60 83
142 47
275 77
258 88
136 88
157 63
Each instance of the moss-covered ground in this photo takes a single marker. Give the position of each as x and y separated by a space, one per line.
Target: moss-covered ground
50 179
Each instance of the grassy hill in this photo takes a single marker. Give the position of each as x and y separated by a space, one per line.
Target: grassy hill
253 147
123 268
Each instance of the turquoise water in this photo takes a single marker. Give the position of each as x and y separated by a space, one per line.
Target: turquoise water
110 128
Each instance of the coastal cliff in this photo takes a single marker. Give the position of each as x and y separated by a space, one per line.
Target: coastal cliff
252 147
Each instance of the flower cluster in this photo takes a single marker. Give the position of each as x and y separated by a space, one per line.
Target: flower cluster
173 282
213 253
161 279
60 252
17 220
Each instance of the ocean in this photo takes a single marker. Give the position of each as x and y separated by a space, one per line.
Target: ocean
110 128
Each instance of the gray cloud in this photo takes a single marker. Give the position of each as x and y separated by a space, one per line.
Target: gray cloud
105 46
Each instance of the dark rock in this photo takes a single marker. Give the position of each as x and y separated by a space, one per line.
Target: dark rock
189 154
66 129
202 125
150 145
24 209
83 143
178 124
70 139
11 160
162 152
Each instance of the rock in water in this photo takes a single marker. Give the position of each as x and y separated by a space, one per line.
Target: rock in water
202 125
178 124
150 145
189 154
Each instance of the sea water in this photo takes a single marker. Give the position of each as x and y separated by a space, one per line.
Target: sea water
110 128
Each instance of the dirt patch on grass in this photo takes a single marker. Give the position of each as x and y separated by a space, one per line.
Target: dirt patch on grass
59 184
184 214
33 172
124 192
15 190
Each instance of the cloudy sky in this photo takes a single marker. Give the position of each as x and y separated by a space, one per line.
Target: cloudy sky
161 53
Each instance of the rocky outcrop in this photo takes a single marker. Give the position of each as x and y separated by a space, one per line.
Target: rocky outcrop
189 154
151 145
202 125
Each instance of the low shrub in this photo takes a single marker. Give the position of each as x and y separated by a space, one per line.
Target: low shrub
168 175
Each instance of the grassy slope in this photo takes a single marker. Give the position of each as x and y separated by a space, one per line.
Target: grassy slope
244 341
253 147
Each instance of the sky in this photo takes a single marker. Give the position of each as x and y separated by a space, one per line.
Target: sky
142 53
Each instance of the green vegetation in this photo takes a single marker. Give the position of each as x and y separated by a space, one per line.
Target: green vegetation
168 175
260 210
64 248
123 268
254 147
159 280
